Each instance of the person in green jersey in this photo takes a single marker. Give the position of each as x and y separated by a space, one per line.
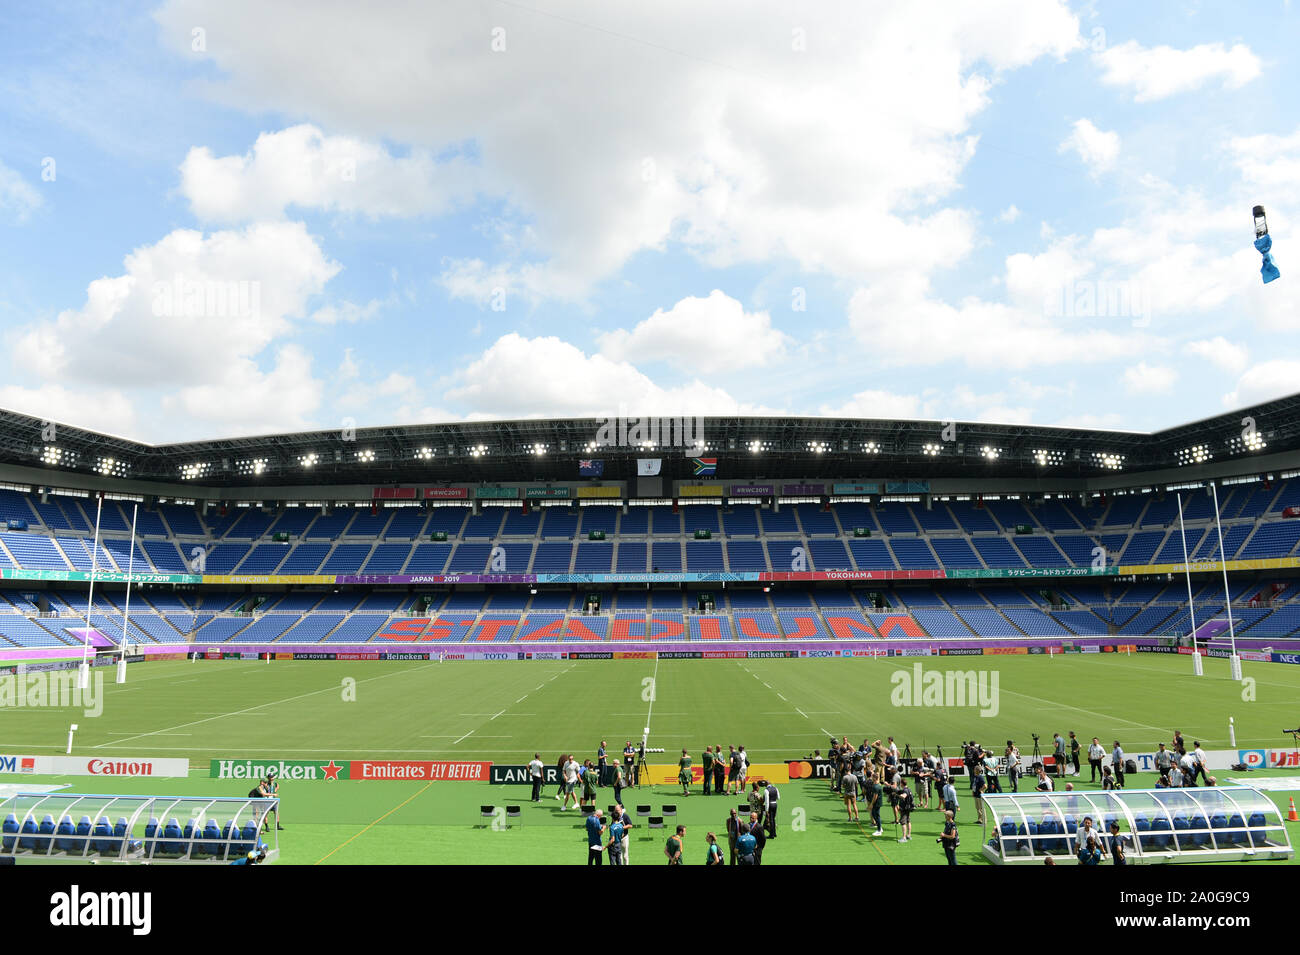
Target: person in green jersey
684 772
706 762
673 850
589 782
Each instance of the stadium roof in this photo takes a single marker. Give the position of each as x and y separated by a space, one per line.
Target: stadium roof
746 448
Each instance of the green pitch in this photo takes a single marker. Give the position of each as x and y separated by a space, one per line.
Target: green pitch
504 712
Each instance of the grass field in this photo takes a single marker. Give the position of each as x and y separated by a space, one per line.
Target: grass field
504 712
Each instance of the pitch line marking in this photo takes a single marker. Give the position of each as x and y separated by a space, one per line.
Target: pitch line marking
375 823
463 738
801 712
300 696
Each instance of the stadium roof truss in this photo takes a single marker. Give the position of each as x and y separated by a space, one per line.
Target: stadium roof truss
756 448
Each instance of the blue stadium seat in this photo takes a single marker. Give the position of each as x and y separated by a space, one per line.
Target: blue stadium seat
10 830
66 828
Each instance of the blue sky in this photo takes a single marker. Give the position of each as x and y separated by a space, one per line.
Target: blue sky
1013 211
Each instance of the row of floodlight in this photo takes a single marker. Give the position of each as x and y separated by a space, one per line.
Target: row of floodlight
55 456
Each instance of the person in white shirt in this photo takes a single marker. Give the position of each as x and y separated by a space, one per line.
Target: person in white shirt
1175 777
535 771
570 783
1188 766
1044 781
1096 753
1200 761
1013 764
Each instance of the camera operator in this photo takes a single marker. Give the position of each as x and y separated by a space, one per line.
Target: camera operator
950 839
905 805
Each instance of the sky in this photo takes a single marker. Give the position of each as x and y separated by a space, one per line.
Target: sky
235 218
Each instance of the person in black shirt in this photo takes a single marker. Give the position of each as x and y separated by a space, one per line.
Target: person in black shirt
760 837
629 763
950 838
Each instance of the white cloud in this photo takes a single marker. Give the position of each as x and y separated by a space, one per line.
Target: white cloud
1144 379
1154 73
1009 214
903 324
1219 351
876 403
1264 382
1097 148
701 335
243 399
186 322
106 410
520 377
677 124
18 200
349 312
301 166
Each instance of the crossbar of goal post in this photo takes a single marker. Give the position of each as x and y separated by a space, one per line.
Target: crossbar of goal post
83 673
1197 665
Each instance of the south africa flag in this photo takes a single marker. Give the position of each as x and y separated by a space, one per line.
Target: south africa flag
705 467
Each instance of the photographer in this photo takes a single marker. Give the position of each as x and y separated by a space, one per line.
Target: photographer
905 806
950 839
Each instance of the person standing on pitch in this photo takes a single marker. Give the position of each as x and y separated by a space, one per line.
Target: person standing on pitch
715 851
950 839
719 770
905 806
1199 755
616 833
535 770
684 772
629 763
706 766
977 792
849 790
760 837
1096 753
733 772
874 792
1013 764
733 833
1058 754
595 829
1074 751
602 764
673 849
616 773
772 796
1117 764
